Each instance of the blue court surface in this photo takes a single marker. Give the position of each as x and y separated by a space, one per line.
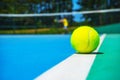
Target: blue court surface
24 57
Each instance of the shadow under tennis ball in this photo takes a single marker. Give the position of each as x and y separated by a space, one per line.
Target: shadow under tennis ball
91 53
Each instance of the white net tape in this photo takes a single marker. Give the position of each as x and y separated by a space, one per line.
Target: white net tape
63 13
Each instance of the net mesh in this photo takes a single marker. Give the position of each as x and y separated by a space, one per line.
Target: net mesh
44 21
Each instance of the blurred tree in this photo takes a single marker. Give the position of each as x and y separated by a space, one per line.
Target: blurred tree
99 19
93 19
115 15
36 6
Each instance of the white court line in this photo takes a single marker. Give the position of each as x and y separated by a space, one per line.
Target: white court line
76 67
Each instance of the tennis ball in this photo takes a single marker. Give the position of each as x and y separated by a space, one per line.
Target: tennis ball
85 39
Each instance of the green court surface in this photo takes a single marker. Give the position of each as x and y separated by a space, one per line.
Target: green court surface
107 65
109 29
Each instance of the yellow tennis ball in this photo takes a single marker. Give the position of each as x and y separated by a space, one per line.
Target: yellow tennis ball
85 39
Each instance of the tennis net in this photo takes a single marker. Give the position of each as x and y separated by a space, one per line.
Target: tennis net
38 23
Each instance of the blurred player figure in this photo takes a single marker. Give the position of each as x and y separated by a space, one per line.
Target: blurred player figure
65 23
